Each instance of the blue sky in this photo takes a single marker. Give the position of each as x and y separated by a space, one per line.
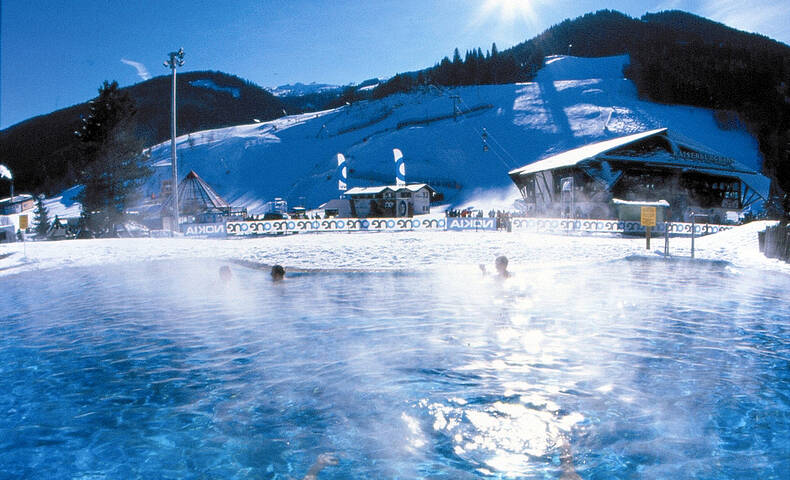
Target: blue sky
54 54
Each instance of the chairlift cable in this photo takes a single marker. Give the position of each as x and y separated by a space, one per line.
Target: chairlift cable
508 164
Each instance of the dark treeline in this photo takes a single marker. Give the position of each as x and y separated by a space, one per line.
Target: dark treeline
476 68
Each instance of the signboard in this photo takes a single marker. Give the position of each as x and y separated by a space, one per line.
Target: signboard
564 226
403 208
23 222
436 223
648 216
203 229
461 223
274 227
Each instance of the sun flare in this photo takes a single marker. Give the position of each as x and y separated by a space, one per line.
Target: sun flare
508 11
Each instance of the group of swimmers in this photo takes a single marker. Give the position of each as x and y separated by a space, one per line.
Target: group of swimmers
278 271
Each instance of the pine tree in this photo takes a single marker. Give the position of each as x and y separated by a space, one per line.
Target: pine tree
41 218
115 165
113 107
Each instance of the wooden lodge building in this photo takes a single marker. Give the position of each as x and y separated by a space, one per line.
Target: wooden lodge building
588 182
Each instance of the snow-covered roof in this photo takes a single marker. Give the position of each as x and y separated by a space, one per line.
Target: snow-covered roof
685 154
367 190
660 203
22 197
572 157
394 188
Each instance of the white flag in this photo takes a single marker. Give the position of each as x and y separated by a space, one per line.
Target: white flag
400 168
5 172
342 172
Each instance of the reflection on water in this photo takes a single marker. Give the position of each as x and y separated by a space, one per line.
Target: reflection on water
163 370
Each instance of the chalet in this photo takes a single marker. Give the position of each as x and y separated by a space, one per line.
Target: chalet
597 180
389 200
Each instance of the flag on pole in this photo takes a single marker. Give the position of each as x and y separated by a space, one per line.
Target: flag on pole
5 172
400 168
342 172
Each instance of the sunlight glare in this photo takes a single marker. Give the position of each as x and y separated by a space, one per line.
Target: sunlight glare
507 12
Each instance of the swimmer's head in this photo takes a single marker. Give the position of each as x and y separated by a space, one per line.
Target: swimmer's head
278 273
501 263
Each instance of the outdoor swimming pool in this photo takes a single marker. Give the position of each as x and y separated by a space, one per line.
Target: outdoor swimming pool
158 370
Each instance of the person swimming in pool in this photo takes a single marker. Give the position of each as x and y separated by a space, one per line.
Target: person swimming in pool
501 268
278 273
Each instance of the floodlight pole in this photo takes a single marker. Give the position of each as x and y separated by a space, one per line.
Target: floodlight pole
176 60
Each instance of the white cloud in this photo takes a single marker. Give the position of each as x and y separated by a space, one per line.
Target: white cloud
767 17
142 72
668 5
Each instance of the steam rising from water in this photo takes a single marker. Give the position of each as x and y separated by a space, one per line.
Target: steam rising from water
649 369
493 199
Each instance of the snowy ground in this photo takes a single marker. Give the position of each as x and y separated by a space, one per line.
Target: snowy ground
419 251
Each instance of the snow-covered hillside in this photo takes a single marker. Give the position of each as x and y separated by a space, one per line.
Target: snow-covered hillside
573 101
299 89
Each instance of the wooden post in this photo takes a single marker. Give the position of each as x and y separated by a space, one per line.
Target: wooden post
666 238
647 237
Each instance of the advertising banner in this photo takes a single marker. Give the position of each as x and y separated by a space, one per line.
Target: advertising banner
567 225
203 229
274 227
436 223
476 223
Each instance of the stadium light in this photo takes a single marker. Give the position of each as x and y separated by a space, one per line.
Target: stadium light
176 60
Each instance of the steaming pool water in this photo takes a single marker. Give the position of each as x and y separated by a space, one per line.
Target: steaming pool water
649 369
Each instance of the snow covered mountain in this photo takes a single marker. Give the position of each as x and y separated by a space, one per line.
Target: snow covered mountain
462 141
300 89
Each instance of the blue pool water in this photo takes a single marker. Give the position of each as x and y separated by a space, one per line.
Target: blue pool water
158 370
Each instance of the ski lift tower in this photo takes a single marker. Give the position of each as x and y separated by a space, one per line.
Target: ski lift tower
176 60
456 110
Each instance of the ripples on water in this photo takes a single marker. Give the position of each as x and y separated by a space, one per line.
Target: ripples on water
160 371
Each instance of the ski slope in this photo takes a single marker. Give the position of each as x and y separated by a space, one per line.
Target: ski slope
573 101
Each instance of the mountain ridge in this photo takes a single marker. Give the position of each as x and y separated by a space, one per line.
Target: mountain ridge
676 58
206 99
460 140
